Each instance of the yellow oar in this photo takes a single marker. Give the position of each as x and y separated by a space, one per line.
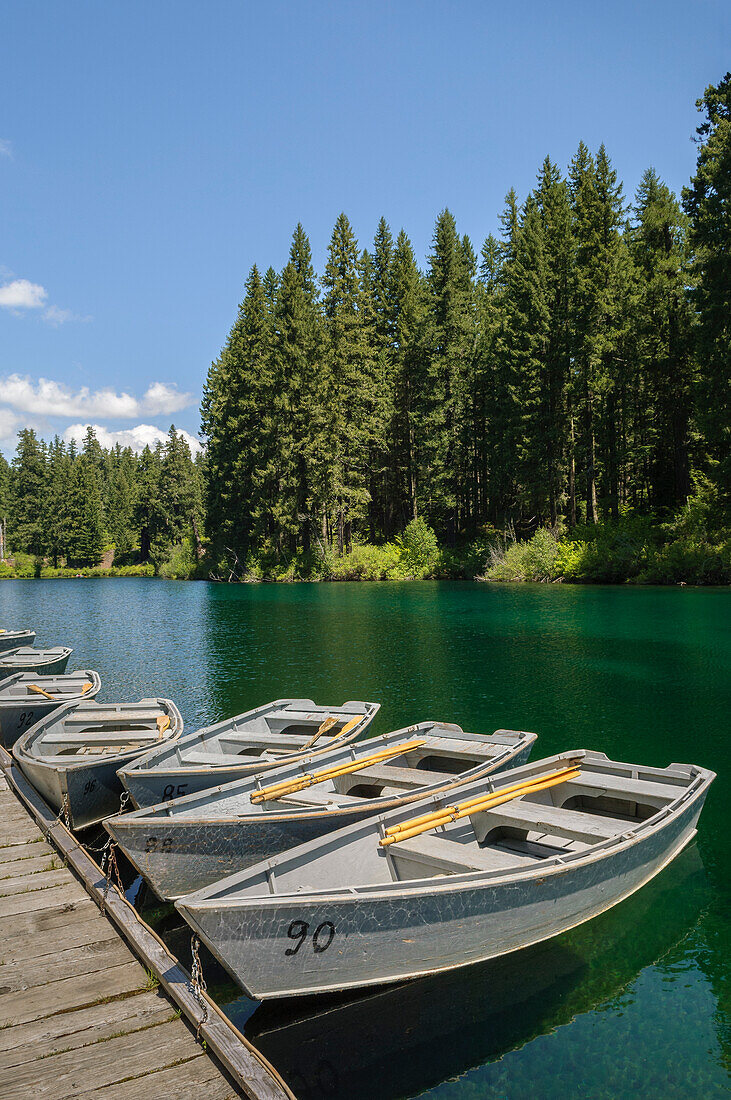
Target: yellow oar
524 784
488 802
346 729
328 724
86 687
298 783
41 691
162 722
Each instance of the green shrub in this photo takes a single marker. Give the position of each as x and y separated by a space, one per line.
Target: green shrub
178 563
419 549
539 556
534 560
689 561
367 563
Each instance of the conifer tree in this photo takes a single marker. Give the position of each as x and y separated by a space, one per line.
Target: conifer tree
409 306
450 347
28 495
238 426
707 202
658 241
351 381
527 327
84 535
552 197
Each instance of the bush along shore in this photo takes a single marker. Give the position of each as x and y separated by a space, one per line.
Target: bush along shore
634 550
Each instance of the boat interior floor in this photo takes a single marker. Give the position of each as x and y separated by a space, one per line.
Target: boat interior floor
516 835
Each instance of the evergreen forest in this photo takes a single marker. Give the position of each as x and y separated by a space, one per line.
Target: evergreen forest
552 402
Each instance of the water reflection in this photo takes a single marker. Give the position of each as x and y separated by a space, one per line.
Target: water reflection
410 1037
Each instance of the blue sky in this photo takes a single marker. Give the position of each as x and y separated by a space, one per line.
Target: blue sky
150 153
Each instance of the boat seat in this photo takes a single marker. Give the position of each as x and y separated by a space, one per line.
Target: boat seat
277 739
617 786
110 736
211 759
549 820
401 777
441 854
315 798
451 746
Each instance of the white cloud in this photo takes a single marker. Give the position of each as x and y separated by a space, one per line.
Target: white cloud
9 422
143 435
47 398
6 148
57 316
22 294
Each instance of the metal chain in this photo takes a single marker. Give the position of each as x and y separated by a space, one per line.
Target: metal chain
63 818
198 983
109 861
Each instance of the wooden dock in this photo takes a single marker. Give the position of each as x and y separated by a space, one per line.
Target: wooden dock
92 1004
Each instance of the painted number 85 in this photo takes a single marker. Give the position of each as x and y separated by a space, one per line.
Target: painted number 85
322 937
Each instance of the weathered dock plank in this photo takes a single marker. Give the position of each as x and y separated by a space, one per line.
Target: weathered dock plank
79 1014
25 851
82 1026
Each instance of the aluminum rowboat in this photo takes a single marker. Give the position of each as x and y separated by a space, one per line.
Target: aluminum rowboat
12 639
346 912
50 661
186 844
25 699
71 757
245 745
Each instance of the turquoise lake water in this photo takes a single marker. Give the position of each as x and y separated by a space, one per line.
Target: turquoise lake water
634 1003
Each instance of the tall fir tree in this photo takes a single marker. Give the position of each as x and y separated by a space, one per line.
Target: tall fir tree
707 202
662 329
351 370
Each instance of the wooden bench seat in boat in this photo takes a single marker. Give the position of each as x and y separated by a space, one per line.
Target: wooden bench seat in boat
401 777
136 733
551 820
276 739
90 717
447 855
315 797
450 746
617 786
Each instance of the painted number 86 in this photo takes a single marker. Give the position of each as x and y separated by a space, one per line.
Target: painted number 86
322 937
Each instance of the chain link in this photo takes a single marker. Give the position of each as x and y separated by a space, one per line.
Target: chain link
62 818
198 983
110 867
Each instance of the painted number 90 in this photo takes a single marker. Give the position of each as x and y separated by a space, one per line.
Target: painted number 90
322 937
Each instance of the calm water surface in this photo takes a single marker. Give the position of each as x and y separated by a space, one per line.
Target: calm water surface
635 1003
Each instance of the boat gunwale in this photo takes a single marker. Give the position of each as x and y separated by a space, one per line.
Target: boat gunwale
253 764
306 813
64 764
408 888
18 700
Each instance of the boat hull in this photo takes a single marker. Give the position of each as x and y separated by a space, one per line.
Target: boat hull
54 667
378 937
11 639
18 715
177 857
93 792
